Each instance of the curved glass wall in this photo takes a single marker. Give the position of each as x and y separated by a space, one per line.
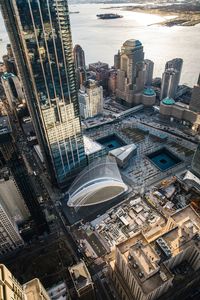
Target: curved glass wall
99 182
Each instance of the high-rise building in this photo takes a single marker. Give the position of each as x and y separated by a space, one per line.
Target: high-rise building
91 99
10 238
13 89
196 162
40 36
195 100
131 74
149 66
79 57
10 288
11 197
169 84
112 82
101 70
171 78
9 61
80 67
7 147
117 61
177 64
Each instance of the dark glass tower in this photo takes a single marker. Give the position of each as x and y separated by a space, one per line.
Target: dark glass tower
40 35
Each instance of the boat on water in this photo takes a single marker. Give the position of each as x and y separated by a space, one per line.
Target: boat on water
109 16
74 12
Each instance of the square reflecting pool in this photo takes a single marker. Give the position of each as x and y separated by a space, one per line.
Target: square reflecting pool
164 159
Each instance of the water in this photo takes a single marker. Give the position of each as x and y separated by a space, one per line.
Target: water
163 159
101 39
111 142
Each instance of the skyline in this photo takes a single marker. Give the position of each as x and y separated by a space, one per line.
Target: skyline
99 163
137 28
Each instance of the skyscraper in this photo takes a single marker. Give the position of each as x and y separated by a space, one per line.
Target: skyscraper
10 238
171 78
149 66
10 288
131 72
169 84
177 64
196 162
40 36
80 67
195 100
91 99
79 57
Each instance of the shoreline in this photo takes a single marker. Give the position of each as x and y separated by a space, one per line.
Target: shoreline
182 17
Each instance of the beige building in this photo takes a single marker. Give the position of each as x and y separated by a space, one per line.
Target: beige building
180 112
10 288
132 75
91 100
143 265
34 290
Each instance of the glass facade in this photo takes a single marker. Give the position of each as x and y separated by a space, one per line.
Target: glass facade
40 35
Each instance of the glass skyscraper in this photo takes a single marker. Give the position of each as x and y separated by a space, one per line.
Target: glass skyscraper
40 35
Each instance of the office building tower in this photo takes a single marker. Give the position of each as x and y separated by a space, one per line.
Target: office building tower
10 238
149 66
40 36
169 84
79 57
10 288
117 61
112 82
177 64
195 99
13 90
91 99
131 74
34 289
7 147
101 71
198 82
196 162
11 197
82 281
80 67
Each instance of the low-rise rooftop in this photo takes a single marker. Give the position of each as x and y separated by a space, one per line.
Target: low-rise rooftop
80 276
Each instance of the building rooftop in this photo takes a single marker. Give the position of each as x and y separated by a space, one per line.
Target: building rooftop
143 262
123 152
7 75
182 216
125 221
168 101
132 43
91 146
80 276
149 92
35 291
5 126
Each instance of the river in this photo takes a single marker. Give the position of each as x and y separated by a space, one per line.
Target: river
101 39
